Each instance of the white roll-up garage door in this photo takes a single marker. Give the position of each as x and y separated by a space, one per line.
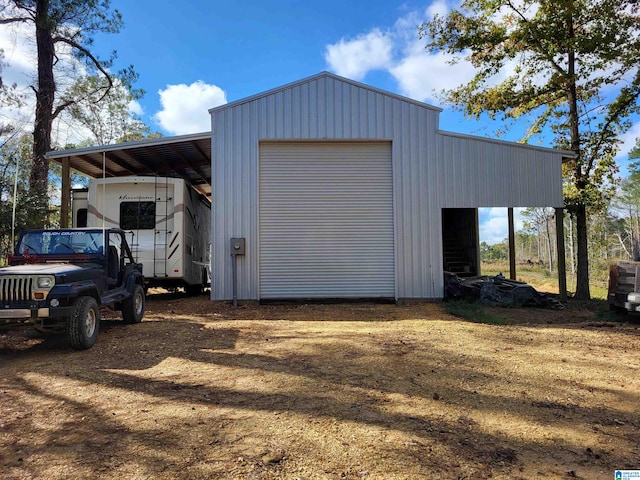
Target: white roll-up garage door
326 220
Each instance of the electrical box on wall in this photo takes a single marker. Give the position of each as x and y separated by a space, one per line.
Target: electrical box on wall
237 246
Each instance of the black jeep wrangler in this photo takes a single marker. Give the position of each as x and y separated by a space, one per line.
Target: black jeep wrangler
57 280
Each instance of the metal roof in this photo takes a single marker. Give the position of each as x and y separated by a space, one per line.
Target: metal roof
315 77
185 156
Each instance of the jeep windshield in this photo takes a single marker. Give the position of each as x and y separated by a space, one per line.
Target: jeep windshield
60 242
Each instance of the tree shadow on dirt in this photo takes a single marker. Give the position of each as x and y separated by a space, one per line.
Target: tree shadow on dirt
92 442
363 404
331 387
154 341
338 389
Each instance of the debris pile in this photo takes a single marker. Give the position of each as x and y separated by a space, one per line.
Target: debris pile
497 291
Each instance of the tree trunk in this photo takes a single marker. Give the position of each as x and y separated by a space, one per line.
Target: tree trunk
581 178
582 281
548 235
572 249
635 233
45 93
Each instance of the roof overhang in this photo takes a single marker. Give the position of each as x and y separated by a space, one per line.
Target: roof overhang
566 155
185 156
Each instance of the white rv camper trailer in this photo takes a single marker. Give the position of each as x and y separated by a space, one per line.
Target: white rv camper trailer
167 224
79 206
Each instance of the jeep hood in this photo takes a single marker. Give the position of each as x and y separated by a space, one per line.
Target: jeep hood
41 269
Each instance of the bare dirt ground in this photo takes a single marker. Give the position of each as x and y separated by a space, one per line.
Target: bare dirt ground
358 391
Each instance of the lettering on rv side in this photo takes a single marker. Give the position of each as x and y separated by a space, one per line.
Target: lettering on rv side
135 197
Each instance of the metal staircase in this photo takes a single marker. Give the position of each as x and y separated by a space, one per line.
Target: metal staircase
455 258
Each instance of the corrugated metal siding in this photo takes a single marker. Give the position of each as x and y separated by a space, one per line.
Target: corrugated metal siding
323 109
485 173
326 220
431 171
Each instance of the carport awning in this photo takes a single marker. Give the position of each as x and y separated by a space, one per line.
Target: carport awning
185 156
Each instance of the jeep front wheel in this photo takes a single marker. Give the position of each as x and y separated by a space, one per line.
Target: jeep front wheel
133 307
84 323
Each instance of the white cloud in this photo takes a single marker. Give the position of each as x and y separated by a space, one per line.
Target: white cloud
629 140
494 224
185 107
419 75
16 42
439 7
19 69
135 108
422 76
355 58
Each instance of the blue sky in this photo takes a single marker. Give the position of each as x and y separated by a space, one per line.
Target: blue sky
211 52
197 54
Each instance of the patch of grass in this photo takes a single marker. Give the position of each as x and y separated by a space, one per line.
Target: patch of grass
543 281
598 292
474 312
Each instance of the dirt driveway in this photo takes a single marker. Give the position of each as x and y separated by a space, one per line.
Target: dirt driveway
361 391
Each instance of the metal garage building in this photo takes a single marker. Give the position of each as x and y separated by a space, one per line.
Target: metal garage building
341 190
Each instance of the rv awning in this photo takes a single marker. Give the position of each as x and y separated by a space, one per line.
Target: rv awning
185 156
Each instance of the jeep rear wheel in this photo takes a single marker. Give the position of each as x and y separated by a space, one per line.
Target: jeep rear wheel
84 323
133 307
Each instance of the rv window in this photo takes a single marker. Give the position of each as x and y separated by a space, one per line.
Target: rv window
137 215
81 217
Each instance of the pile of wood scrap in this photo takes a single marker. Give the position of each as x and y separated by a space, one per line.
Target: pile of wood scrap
497 291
